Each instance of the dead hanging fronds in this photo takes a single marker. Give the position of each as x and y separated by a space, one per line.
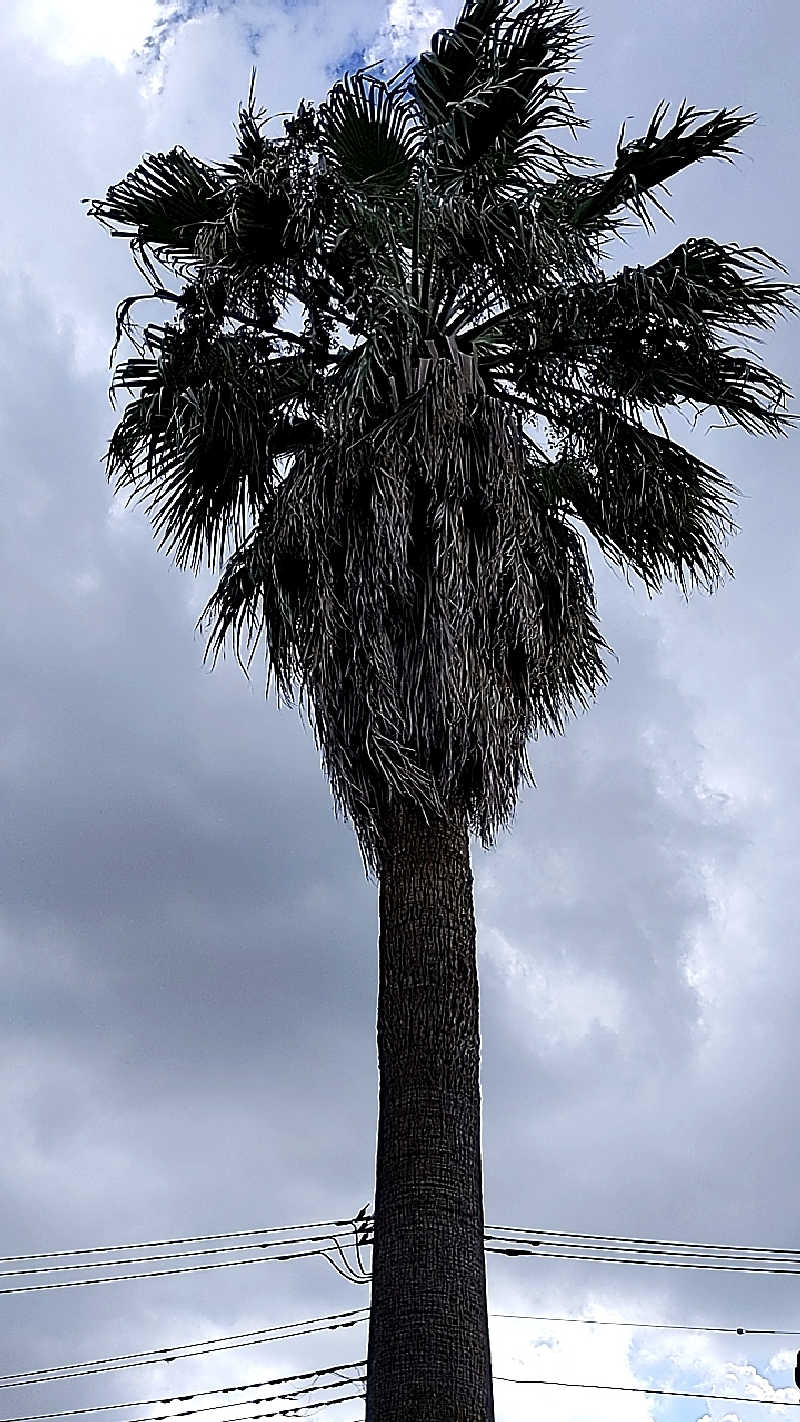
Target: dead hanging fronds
434 608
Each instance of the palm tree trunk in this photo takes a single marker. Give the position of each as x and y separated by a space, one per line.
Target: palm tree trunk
428 1355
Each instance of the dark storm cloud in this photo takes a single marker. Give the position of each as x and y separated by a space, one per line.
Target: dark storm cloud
174 903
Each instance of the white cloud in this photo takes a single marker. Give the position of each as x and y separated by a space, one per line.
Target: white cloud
624 1357
551 1004
580 1355
74 31
407 30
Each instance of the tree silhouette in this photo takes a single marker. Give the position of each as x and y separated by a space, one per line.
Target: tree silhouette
397 389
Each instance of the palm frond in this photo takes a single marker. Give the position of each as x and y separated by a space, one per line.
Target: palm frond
242 610
198 442
380 314
652 506
252 144
726 285
480 120
514 95
648 162
543 39
444 74
164 202
260 231
653 335
658 368
367 134
433 616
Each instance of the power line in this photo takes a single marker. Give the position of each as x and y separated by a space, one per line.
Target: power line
344 1381
163 1273
191 1396
300 1328
362 1222
181 1254
153 1356
511 1242
305 1407
184 1239
494 1246
705 1252
686 1245
670 1327
514 1251
282 1397
651 1391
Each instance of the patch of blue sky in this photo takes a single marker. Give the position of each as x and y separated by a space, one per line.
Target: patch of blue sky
683 1409
348 63
369 57
178 11
174 13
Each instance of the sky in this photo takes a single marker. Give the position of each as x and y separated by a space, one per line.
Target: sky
187 938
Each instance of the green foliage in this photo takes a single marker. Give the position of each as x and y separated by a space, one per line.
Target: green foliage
648 162
442 75
368 135
166 200
397 484
210 416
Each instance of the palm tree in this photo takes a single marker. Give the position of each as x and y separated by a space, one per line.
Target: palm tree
398 388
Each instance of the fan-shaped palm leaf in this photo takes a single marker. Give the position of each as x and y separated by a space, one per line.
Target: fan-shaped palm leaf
648 162
164 202
653 334
511 94
446 72
542 40
199 441
651 504
368 135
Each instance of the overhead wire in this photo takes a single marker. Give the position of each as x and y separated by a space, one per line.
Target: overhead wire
322 1323
512 1250
650 1391
344 1381
559 1241
181 1254
284 1411
509 1248
331 1245
305 1407
712 1252
670 1327
155 1356
163 1273
207 1392
510 1241
650 1263
182 1239
686 1245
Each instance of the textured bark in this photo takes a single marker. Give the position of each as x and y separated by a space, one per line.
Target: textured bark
428 1355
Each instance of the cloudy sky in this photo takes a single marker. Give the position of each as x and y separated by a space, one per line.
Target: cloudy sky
187 940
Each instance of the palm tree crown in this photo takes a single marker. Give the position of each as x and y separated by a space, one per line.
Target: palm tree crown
399 386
